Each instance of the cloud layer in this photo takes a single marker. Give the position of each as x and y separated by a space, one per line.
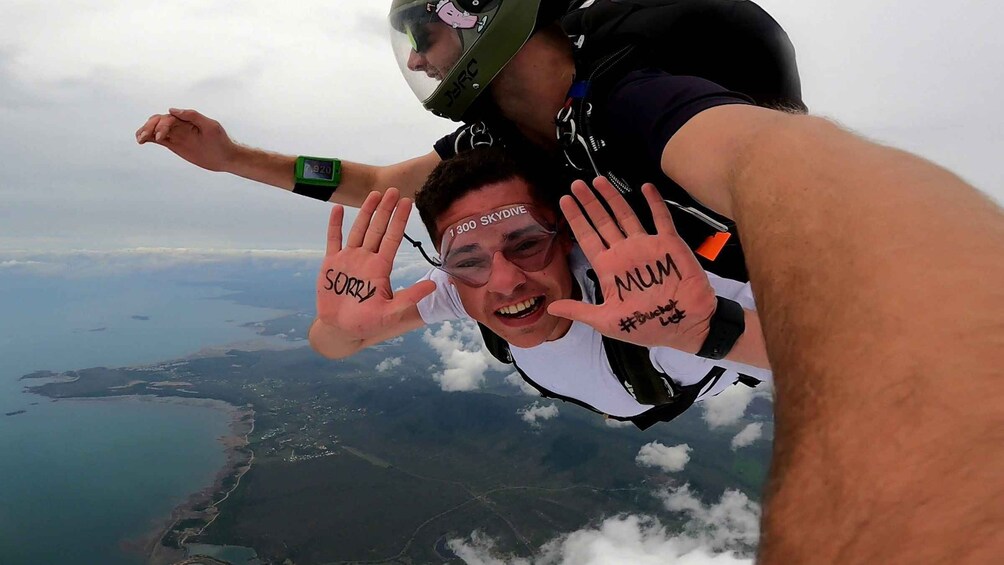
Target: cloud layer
388 364
517 381
536 413
463 355
670 459
722 533
748 435
729 407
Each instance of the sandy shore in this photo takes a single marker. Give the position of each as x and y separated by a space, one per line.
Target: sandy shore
201 507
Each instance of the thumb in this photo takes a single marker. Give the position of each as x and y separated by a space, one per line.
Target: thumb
411 295
574 310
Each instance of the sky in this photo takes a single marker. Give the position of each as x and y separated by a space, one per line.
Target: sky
78 78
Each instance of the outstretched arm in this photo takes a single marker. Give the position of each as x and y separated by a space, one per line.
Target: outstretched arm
356 306
874 272
202 141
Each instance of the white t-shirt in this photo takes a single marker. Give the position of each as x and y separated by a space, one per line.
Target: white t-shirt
576 366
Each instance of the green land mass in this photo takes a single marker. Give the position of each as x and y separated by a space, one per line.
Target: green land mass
348 464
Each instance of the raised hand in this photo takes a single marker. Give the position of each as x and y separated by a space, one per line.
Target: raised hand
354 294
190 135
655 293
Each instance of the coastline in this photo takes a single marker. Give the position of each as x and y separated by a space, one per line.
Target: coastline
165 543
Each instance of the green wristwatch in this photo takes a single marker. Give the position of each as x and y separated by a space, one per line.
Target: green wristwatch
317 177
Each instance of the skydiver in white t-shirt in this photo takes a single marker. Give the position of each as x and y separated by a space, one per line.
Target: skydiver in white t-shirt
508 262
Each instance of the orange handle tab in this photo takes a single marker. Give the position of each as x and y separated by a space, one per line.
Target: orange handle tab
713 245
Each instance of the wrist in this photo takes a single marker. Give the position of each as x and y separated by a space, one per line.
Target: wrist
316 177
725 326
240 159
331 341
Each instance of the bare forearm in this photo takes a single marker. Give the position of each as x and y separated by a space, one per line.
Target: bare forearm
868 265
358 179
262 166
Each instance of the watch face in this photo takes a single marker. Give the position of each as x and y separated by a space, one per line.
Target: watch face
318 169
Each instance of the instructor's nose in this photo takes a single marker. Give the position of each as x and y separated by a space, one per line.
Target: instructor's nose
416 61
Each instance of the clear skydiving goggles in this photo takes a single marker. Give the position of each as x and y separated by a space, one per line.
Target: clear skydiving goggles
518 231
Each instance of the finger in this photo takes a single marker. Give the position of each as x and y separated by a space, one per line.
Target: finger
395 231
585 235
163 129
362 222
575 310
664 225
335 230
660 212
598 215
378 224
410 296
626 217
144 133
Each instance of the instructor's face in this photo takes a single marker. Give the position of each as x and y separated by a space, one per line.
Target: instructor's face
513 303
437 50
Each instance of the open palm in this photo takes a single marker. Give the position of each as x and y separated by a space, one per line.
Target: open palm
655 293
354 292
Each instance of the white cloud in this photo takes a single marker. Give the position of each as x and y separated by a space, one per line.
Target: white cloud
730 405
669 459
15 264
517 381
611 423
409 265
731 524
638 540
725 532
388 364
535 413
80 263
748 435
463 355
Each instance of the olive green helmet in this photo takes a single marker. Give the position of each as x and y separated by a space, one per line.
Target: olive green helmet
451 50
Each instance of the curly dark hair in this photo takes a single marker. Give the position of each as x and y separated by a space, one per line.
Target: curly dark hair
477 168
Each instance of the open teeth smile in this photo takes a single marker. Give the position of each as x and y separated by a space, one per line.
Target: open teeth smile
521 309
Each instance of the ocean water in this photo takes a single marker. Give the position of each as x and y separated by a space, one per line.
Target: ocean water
77 477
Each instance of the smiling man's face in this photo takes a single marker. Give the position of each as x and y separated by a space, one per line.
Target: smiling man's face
513 303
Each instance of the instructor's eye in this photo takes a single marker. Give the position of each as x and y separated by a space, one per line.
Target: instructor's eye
419 36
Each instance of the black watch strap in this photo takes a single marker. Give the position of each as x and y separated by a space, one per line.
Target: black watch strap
322 193
726 325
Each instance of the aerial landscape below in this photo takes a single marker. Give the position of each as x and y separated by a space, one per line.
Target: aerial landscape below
339 462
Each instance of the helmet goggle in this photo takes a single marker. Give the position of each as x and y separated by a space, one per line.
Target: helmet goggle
517 231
